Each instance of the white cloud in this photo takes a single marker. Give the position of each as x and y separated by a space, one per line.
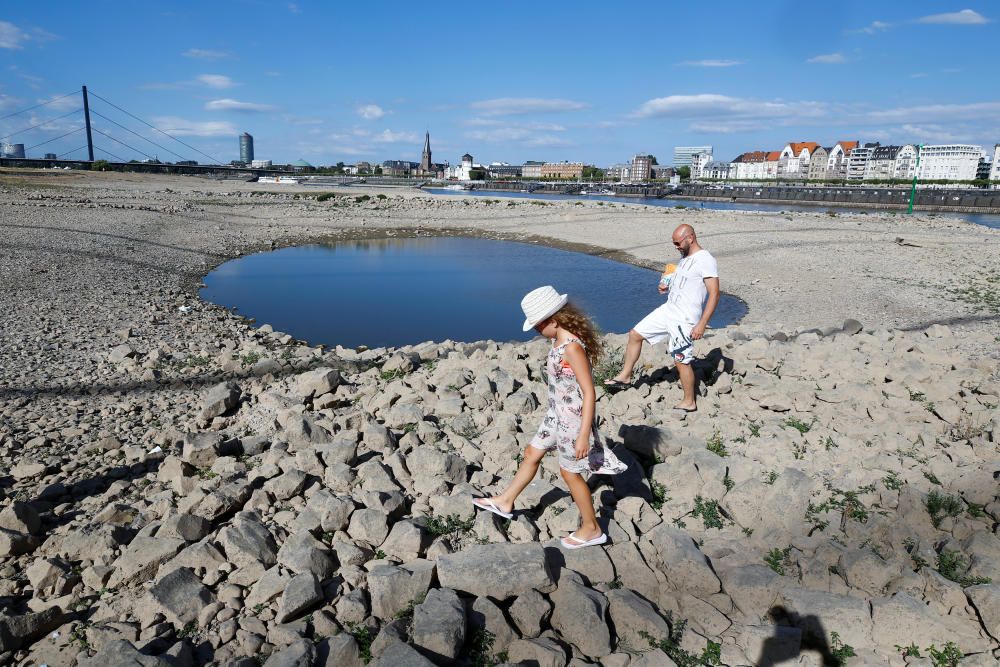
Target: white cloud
511 106
63 103
873 28
294 8
205 54
949 113
192 128
216 81
235 105
390 137
370 111
712 63
11 37
713 105
964 17
828 59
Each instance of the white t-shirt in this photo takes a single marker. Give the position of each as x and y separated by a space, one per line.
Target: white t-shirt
686 298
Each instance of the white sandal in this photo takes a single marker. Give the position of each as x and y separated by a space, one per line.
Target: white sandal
580 544
489 506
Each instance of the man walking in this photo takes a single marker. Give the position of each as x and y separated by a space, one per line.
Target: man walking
693 294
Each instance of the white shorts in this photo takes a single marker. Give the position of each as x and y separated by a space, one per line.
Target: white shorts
660 325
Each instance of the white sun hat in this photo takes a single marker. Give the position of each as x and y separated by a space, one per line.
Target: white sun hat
541 303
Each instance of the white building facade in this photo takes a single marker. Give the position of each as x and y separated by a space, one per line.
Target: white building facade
683 154
995 171
949 162
698 162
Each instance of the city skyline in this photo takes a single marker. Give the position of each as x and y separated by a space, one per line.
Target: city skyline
337 84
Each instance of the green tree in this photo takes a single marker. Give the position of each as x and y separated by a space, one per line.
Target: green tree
683 172
593 173
378 170
652 160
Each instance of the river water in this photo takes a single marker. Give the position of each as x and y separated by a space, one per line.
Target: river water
985 219
402 291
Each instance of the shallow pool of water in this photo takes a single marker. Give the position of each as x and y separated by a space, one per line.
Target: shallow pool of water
402 291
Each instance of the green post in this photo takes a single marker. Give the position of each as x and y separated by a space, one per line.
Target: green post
916 170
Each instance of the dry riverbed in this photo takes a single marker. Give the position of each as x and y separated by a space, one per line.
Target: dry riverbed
178 482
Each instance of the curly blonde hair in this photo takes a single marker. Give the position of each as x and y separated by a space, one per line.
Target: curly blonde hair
575 321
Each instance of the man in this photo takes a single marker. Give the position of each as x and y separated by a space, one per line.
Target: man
682 319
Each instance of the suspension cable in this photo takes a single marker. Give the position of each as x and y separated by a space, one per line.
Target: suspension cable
54 99
49 141
131 148
42 123
98 113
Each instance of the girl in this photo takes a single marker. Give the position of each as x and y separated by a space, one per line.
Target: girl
569 426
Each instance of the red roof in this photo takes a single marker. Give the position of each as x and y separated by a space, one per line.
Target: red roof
752 156
798 146
848 146
773 156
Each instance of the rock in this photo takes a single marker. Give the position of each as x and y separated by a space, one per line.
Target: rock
180 596
247 541
399 654
632 615
188 527
268 587
406 541
649 441
986 598
530 612
579 616
654 658
16 544
178 474
333 512
902 617
220 399
542 652
302 552
49 578
316 383
818 613
339 651
142 558
428 464
521 402
27 469
439 625
686 567
286 485
393 588
852 327
302 593
770 644
485 615
20 518
201 449
16 631
120 353
369 525
500 571
121 652
300 653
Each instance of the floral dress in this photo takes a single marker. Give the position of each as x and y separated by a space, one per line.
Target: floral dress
561 425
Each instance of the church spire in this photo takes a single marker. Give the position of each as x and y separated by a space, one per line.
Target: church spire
425 159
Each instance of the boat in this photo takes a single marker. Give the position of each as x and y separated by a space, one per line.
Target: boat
605 192
459 186
280 180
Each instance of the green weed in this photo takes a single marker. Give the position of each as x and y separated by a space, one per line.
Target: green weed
778 559
839 650
940 505
892 482
716 445
952 566
708 510
671 645
799 425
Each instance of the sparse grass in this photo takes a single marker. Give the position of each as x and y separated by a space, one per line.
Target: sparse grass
967 429
389 376
952 566
326 195
975 511
728 482
949 656
479 649
840 651
451 526
754 427
778 559
799 425
940 505
206 473
716 445
981 292
892 482
469 431
609 365
671 645
249 359
407 611
932 478
708 510
363 636
659 493
615 583
770 477
360 199
828 443
379 554
848 502
194 361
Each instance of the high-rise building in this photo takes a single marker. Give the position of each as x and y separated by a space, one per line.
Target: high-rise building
12 150
641 169
425 158
51 156
951 162
683 154
246 148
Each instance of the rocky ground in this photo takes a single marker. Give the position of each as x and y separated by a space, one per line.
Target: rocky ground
179 486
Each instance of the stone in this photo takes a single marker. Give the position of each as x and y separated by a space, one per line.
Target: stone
16 631
178 474
180 596
852 327
430 464
287 484
650 441
592 564
530 612
439 625
21 517
394 588
986 599
500 571
142 558
201 449
339 651
521 402
900 618
333 512
120 353
302 593
578 615
406 541
541 652
316 383
369 525
818 613
770 644
300 653
654 658
484 614
398 654
220 399
48 578
186 526
685 566
632 615
27 469
246 541
16 544
121 652
302 552
268 587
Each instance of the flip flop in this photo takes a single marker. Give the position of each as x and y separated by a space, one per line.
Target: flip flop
487 504
580 544
616 385
680 409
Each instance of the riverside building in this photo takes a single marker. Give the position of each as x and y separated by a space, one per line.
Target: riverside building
246 148
952 162
641 169
562 170
858 160
995 169
683 154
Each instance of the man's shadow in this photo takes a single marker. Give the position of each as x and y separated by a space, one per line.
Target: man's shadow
707 370
793 635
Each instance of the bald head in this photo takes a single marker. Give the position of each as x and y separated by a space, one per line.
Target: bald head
684 231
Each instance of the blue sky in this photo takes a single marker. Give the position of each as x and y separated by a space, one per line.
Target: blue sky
508 81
